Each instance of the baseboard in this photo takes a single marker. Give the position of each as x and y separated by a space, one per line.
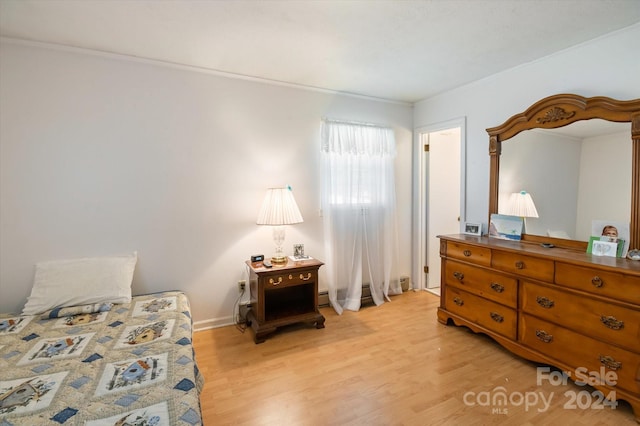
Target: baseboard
365 298
323 296
323 299
212 323
323 302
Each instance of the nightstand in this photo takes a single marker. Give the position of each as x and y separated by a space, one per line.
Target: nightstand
283 295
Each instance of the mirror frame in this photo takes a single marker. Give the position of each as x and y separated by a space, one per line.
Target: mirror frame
558 111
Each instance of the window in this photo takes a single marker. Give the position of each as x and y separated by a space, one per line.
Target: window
358 204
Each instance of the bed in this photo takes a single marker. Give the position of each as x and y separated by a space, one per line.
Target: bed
101 364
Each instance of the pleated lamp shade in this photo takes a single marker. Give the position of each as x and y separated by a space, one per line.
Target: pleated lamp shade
521 204
279 208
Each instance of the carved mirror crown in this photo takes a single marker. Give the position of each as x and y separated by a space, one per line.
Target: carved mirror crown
558 111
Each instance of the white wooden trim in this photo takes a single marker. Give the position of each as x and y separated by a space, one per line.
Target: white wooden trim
419 241
180 66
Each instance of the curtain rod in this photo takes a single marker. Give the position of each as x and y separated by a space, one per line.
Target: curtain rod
359 123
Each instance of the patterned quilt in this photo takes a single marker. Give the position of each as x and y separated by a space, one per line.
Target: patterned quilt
131 365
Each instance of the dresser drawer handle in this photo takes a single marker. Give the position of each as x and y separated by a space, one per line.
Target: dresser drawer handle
274 282
597 281
496 317
610 363
498 288
612 322
303 278
458 301
467 253
458 275
290 276
519 264
544 336
545 302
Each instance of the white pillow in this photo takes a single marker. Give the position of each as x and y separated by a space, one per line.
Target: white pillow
83 281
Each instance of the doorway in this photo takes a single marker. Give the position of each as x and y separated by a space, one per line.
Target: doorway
440 196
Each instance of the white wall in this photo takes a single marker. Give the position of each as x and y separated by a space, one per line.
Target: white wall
105 155
608 66
584 180
605 184
554 191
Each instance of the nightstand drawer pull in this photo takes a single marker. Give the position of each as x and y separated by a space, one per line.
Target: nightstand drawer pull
458 275
290 276
458 301
274 282
597 281
612 322
610 362
545 302
467 253
519 264
498 288
303 278
496 317
544 336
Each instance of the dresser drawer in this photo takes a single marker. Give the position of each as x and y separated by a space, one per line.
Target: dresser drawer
604 283
482 282
488 314
288 279
469 253
577 351
601 320
516 263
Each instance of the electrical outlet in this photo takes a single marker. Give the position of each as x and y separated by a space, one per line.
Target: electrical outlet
241 286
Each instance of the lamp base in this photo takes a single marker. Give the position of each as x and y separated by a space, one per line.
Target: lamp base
279 260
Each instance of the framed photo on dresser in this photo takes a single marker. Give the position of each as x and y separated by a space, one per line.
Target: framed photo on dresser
506 227
610 231
471 228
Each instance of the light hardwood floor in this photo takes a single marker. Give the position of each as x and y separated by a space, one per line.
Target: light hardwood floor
387 365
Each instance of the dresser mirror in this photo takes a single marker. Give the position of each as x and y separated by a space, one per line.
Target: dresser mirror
588 176
579 158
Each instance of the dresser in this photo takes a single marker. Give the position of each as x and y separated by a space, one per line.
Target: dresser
556 306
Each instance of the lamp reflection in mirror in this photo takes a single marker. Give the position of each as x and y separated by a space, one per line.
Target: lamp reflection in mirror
279 208
521 204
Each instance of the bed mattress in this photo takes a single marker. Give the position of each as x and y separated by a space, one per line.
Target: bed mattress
131 365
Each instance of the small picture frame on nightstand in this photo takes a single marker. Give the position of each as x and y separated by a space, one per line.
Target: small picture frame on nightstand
298 252
473 228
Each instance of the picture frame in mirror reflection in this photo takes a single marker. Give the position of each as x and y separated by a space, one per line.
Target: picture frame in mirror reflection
614 233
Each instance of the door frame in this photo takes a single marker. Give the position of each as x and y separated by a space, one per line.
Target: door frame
420 198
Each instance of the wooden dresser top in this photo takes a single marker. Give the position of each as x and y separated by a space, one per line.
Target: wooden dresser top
571 256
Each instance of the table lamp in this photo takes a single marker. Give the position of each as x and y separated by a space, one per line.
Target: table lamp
278 209
521 204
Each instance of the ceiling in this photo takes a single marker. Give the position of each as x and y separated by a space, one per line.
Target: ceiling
396 50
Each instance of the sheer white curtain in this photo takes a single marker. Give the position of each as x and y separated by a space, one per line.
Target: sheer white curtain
358 207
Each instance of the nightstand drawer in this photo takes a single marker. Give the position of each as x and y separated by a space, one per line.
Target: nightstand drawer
578 351
469 253
289 278
606 321
482 282
603 283
486 313
515 263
